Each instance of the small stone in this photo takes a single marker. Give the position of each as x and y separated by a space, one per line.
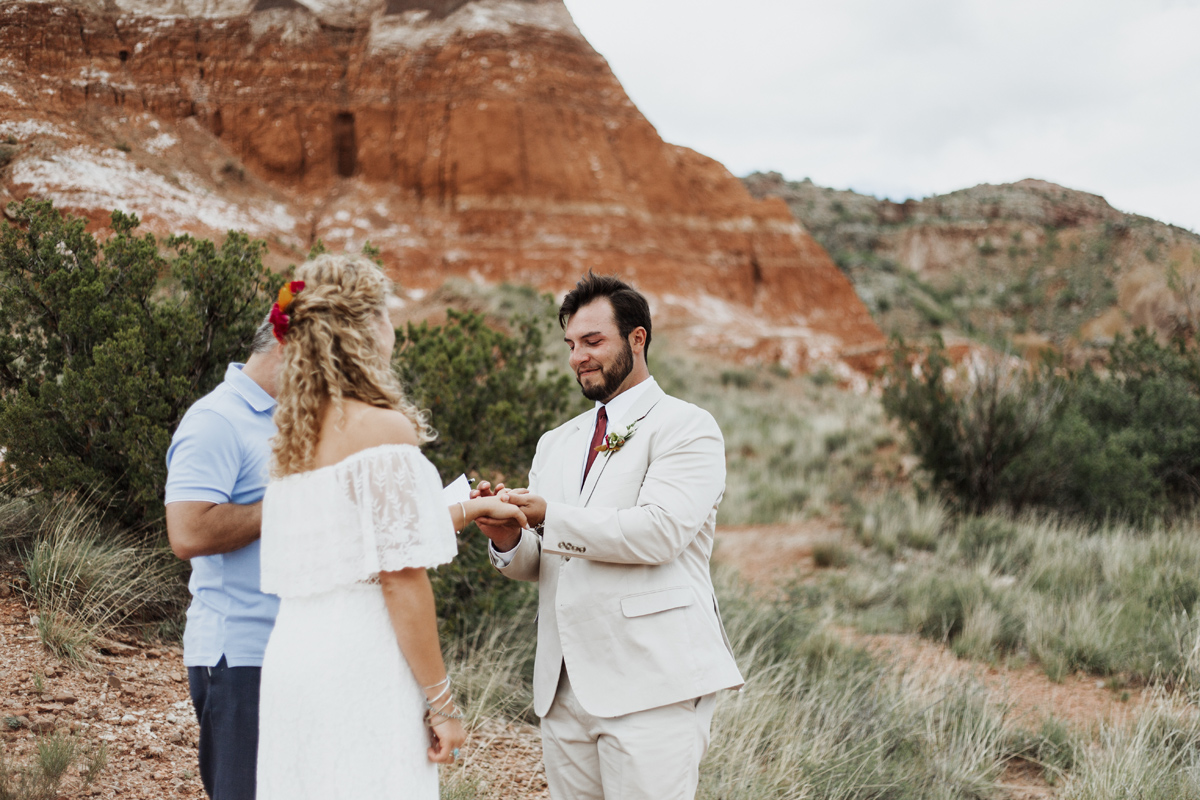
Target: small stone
66 698
129 719
5 591
49 708
154 752
175 737
114 682
42 726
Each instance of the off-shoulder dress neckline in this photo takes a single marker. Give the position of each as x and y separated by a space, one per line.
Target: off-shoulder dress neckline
355 456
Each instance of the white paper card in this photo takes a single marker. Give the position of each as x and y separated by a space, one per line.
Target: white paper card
457 491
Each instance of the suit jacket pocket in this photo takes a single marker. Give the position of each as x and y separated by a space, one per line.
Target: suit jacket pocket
643 603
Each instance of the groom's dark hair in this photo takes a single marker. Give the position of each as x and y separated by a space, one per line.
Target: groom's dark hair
630 308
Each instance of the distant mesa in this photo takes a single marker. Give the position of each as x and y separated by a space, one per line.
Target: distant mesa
483 139
1030 263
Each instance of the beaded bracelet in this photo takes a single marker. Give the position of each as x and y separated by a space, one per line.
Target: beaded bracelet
430 714
444 705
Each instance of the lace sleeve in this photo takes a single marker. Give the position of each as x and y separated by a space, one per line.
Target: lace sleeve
402 517
379 510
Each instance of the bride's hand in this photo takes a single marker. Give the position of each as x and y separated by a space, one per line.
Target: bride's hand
499 509
448 737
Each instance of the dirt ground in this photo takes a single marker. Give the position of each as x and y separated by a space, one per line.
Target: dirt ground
136 701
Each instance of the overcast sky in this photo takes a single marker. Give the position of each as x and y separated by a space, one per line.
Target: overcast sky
906 98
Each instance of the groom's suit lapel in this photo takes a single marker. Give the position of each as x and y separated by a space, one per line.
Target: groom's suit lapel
636 414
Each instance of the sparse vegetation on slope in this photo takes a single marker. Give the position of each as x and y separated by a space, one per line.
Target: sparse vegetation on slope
1023 265
796 446
1119 600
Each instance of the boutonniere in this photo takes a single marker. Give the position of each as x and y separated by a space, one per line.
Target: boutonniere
615 441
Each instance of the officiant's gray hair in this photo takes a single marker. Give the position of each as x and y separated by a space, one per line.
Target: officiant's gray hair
630 309
264 337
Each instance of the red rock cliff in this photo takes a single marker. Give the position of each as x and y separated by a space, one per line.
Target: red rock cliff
484 139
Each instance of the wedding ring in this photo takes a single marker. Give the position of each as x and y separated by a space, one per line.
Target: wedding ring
454 755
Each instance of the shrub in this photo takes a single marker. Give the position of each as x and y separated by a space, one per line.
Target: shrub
1129 442
967 427
1125 443
104 346
43 776
490 399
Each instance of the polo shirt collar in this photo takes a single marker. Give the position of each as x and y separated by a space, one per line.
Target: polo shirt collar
250 391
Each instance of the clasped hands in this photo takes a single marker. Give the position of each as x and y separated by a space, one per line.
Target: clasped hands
505 533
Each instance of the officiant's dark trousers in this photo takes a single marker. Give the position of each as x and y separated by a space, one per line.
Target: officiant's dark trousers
226 702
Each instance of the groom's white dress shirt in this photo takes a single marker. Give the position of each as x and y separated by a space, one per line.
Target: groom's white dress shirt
626 603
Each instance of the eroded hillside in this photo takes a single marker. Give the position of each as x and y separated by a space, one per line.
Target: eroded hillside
1030 264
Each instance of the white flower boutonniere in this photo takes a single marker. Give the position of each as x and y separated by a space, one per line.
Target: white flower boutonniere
615 441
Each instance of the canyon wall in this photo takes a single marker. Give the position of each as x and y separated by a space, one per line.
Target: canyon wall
482 139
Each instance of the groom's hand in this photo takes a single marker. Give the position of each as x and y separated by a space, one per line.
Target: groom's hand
504 533
533 505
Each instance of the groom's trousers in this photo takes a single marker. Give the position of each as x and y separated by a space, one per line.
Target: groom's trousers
647 755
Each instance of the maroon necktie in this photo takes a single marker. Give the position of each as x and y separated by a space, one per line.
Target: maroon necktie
597 440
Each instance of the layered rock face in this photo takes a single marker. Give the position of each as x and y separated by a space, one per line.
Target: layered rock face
1036 263
482 138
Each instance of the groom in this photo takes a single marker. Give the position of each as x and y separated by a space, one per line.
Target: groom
623 500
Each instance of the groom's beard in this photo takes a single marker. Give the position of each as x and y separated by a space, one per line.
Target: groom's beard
614 375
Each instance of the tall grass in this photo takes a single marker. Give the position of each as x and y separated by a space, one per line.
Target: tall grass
1105 600
796 446
41 778
817 718
491 660
1154 756
87 578
820 719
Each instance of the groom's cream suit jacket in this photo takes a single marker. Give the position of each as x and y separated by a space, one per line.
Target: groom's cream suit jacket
626 601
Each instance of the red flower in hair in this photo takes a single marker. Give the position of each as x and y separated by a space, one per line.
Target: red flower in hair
279 318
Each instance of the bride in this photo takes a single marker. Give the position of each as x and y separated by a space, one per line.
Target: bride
355 702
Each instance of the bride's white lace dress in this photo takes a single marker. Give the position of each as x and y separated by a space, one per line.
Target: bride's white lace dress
341 715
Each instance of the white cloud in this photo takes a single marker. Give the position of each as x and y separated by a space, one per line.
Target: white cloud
924 96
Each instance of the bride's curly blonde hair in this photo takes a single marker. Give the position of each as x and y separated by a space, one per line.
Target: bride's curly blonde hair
331 354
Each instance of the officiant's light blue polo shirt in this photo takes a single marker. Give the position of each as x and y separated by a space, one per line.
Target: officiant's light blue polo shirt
220 454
